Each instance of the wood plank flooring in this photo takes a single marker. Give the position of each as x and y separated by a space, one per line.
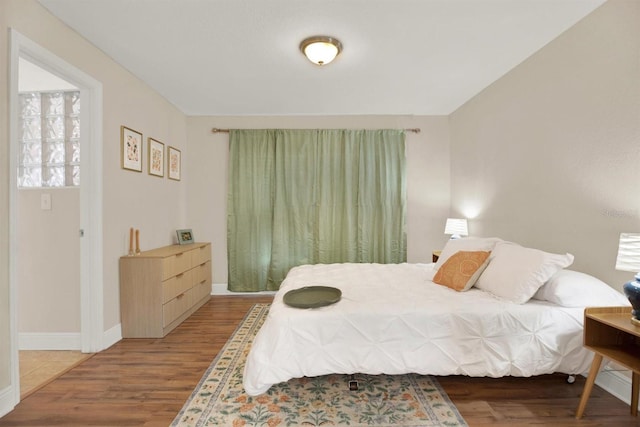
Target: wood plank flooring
145 382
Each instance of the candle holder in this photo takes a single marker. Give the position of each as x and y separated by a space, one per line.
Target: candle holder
137 242
131 252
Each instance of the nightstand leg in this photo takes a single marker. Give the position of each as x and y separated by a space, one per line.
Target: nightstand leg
588 385
635 385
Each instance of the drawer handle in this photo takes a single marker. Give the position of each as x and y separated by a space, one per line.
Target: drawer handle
180 296
202 282
179 275
180 254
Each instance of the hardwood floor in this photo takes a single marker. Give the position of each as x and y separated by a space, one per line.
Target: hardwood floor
145 382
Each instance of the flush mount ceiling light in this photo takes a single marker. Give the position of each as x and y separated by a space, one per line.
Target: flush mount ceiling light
321 49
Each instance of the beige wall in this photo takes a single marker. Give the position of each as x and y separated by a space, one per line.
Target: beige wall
156 206
427 176
48 263
548 155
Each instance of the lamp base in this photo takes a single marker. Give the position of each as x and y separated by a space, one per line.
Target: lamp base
632 291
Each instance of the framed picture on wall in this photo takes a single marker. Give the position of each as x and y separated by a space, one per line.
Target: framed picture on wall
156 157
174 163
131 148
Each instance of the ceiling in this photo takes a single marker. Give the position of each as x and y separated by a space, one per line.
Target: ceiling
241 57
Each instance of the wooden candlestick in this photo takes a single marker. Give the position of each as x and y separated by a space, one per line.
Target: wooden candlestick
131 241
137 242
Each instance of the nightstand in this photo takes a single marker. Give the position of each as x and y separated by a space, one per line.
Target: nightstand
608 332
435 255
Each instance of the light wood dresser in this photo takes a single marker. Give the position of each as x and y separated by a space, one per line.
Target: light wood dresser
160 288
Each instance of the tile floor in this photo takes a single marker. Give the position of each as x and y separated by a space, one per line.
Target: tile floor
38 368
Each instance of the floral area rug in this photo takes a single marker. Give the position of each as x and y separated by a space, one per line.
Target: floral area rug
381 400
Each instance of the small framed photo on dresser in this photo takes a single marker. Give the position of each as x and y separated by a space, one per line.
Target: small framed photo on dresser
185 236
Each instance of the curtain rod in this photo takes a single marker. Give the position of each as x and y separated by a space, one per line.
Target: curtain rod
217 130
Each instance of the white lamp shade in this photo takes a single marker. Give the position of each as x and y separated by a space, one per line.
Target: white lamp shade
629 252
456 227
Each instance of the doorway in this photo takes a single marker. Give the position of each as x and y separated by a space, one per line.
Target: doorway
89 234
48 212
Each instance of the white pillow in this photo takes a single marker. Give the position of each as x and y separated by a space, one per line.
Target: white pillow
515 273
569 288
469 244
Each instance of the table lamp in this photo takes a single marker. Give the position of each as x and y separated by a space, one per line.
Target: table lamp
629 260
457 227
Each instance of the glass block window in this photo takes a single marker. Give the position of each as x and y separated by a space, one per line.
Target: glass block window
49 145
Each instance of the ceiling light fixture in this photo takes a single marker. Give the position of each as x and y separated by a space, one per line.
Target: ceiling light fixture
321 50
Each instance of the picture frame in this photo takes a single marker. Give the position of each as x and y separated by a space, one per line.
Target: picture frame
173 163
131 149
185 236
156 157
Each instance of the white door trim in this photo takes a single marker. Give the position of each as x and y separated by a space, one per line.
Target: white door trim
91 246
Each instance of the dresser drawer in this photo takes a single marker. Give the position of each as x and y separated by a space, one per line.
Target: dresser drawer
174 286
176 307
202 273
201 255
200 291
176 264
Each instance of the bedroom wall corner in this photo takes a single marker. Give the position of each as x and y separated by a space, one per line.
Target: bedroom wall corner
428 176
547 155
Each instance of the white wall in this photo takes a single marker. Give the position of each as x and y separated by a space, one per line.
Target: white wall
548 155
427 176
157 206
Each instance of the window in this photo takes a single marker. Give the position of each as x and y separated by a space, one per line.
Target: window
49 145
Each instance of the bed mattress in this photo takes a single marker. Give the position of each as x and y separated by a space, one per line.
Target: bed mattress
392 319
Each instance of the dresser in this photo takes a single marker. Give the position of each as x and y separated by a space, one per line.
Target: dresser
161 287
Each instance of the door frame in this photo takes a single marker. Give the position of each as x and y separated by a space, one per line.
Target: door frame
91 244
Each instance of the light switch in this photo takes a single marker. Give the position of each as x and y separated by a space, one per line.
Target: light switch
45 202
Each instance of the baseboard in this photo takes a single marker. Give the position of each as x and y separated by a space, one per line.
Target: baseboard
7 400
221 289
49 341
112 336
64 340
616 383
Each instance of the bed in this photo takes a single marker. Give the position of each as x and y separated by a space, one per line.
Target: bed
394 319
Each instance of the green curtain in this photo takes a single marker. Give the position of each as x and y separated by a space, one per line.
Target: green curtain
313 196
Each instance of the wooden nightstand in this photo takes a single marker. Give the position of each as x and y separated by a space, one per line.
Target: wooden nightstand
435 255
609 333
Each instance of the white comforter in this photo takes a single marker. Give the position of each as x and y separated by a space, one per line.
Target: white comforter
392 319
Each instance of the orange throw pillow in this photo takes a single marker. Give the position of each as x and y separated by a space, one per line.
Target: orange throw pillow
462 269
